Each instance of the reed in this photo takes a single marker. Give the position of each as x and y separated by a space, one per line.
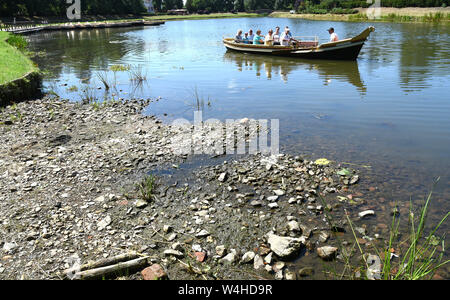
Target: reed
137 74
103 77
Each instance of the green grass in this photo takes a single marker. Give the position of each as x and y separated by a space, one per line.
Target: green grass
429 18
146 188
13 63
200 17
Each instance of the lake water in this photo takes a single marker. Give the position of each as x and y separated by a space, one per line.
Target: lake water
388 110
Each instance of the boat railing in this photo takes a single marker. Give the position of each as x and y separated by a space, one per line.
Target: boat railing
307 38
306 41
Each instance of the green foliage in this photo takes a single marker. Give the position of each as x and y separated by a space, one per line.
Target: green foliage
347 6
18 41
29 8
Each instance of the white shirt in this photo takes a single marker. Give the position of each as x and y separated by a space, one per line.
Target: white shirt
334 37
276 38
285 39
251 37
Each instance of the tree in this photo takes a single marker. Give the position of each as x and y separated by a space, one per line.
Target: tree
238 5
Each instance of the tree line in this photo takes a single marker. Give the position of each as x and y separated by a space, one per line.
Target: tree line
9 8
58 8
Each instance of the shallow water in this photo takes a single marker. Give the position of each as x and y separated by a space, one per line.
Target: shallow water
388 110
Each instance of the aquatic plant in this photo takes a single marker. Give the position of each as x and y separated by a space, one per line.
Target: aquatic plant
87 94
146 187
137 74
103 77
119 68
73 88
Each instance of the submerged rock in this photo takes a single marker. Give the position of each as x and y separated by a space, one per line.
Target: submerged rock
285 247
327 252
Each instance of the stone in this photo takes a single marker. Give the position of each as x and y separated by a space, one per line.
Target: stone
202 233
172 237
175 253
273 205
258 262
279 275
268 258
230 257
279 265
201 256
285 247
263 250
104 223
167 228
327 252
290 275
272 198
366 213
221 250
248 257
222 177
154 272
294 226
354 179
323 236
374 270
197 248
177 246
141 204
9 247
279 192
256 203
306 271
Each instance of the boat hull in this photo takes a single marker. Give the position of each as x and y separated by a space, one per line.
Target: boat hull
347 52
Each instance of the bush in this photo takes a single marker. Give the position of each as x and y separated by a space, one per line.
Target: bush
18 42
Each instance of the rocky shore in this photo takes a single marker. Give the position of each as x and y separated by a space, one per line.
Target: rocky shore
68 175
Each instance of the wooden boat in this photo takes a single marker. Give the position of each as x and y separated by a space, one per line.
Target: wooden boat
347 49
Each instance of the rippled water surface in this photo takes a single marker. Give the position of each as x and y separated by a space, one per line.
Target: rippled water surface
389 110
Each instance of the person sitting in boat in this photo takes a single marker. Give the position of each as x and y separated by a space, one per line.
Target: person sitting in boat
246 40
258 39
333 36
238 38
276 36
251 36
286 37
268 40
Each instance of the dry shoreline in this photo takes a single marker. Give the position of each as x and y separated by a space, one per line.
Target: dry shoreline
67 179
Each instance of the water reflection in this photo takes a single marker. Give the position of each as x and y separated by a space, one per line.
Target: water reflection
417 67
273 66
84 51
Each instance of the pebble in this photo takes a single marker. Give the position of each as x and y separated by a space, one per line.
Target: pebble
248 257
366 213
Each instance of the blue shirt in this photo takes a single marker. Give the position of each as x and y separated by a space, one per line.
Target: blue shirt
258 40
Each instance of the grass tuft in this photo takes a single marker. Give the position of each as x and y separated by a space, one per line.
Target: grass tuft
146 188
